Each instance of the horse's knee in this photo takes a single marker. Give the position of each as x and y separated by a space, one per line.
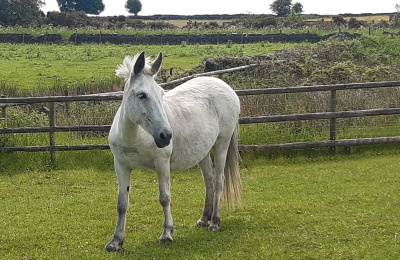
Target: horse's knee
122 207
165 199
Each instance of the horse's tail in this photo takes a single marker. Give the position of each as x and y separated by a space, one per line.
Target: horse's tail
233 182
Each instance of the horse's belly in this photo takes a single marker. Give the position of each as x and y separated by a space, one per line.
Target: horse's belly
186 161
131 157
186 156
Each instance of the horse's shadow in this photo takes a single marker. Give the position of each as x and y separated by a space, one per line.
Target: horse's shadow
189 242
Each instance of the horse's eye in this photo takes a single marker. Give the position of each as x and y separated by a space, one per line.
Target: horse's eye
142 95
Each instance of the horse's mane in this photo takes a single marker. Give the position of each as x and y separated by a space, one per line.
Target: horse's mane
126 68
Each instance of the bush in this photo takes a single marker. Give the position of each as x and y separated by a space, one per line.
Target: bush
255 21
160 25
353 23
70 19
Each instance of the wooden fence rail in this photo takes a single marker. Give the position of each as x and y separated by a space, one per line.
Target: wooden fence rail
332 115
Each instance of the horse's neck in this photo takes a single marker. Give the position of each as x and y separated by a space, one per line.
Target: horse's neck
127 129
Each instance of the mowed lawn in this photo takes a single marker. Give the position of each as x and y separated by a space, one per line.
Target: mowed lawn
332 208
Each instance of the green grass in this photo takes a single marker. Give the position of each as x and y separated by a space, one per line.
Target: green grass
308 206
33 66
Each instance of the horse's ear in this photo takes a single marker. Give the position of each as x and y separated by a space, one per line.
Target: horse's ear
139 64
156 65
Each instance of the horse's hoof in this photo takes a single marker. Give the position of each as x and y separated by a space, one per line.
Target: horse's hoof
112 247
166 239
201 223
214 228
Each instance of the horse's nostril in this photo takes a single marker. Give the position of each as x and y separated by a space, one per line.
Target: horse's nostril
165 136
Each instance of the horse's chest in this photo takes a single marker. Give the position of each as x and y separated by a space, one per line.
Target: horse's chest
132 157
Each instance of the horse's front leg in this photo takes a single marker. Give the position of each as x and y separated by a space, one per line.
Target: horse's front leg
123 174
163 173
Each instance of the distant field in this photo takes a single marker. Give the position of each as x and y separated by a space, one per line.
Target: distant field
372 18
375 18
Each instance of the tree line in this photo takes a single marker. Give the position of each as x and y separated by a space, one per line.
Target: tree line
27 12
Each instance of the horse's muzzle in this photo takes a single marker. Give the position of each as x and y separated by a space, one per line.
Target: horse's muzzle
163 138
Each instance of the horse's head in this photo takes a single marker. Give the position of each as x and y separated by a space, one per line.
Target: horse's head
143 97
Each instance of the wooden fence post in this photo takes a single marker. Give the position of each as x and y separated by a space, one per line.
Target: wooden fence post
332 123
163 74
52 119
67 106
3 110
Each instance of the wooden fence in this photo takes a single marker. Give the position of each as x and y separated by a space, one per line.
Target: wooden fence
332 115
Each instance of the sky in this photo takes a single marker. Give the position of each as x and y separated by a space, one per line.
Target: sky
190 7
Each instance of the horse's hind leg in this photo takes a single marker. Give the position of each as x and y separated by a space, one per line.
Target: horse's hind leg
207 170
220 152
123 175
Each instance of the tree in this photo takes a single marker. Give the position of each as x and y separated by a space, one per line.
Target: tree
297 8
20 12
133 6
88 6
339 20
281 7
296 11
65 5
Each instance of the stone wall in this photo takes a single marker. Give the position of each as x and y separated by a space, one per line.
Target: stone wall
29 38
176 39
170 39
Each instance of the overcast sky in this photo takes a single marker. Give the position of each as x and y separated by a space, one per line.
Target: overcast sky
190 7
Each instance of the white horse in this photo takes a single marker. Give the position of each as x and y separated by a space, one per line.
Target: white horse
172 131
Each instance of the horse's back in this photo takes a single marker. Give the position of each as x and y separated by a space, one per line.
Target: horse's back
200 111
212 91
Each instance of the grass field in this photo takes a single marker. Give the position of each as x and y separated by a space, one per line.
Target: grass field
301 204
295 207
32 66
